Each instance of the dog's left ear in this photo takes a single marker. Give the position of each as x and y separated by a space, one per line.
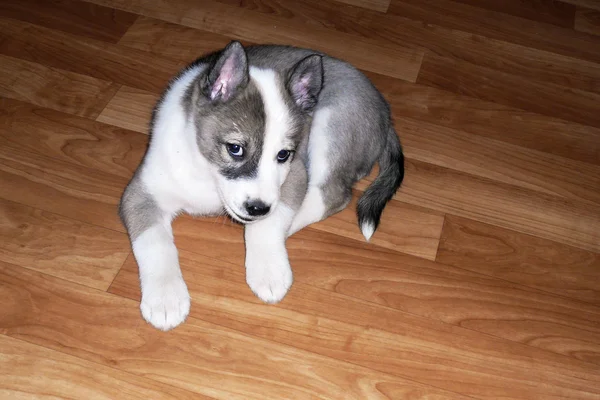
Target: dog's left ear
305 81
227 74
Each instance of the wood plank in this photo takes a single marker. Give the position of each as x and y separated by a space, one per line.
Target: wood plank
491 120
497 25
172 40
199 356
130 109
375 5
396 61
445 190
513 91
76 17
519 60
587 20
70 190
499 161
78 141
405 228
59 246
519 258
367 334
101 60
28 370
548 11
593 4
54 88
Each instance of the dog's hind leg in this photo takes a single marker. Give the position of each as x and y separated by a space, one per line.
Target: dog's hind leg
165 298
320 203
268 271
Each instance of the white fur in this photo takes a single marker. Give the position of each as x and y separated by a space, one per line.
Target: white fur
268 271
271 174
312 210
175 172
165 298
367 229
318 148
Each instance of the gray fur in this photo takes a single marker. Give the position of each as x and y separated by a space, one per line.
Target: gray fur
137 208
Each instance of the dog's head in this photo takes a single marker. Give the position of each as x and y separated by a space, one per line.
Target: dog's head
249 124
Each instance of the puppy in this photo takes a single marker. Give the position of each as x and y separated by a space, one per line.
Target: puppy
275 136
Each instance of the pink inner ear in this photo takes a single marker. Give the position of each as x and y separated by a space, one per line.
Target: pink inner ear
301 88
222 83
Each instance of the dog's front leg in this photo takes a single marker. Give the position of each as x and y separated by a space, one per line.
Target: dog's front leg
268 271
165 298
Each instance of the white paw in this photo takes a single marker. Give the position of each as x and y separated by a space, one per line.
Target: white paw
270 278
165 302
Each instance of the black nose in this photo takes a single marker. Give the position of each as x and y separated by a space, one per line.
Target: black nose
256 208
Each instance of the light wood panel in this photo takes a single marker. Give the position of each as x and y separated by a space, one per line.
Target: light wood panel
60 187
69 138
530 63
130 109
199 356
404 345
106 61
499 161
548 11
28 371
505 88
497 25
59 246
485 200
587 20
172 40
519 258
76 17
492 120
54 88
396 61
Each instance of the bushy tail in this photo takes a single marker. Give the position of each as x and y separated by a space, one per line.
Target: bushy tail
391 173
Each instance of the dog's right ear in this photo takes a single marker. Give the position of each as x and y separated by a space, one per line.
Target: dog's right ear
227 74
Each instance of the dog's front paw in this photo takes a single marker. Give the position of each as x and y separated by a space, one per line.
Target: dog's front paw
269 278
165 302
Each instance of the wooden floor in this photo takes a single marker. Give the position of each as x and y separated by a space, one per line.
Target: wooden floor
483 281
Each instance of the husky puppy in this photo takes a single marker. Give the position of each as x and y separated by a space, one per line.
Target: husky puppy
275 136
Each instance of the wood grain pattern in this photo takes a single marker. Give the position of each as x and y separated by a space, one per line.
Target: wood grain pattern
58 375
593 4
172 40
75 140
449 191
76 17
497 25
531 63
60 247
504 88
492 120
77 192
407 345
105 61
54 88
545 265
130 109
587 20
200 356
548 11
499 161
396 61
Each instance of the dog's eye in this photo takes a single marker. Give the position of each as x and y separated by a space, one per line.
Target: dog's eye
283 155
235 150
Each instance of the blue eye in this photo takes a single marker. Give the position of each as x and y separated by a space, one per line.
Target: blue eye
283 155
235 150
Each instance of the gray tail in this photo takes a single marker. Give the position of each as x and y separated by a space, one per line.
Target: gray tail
391 173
